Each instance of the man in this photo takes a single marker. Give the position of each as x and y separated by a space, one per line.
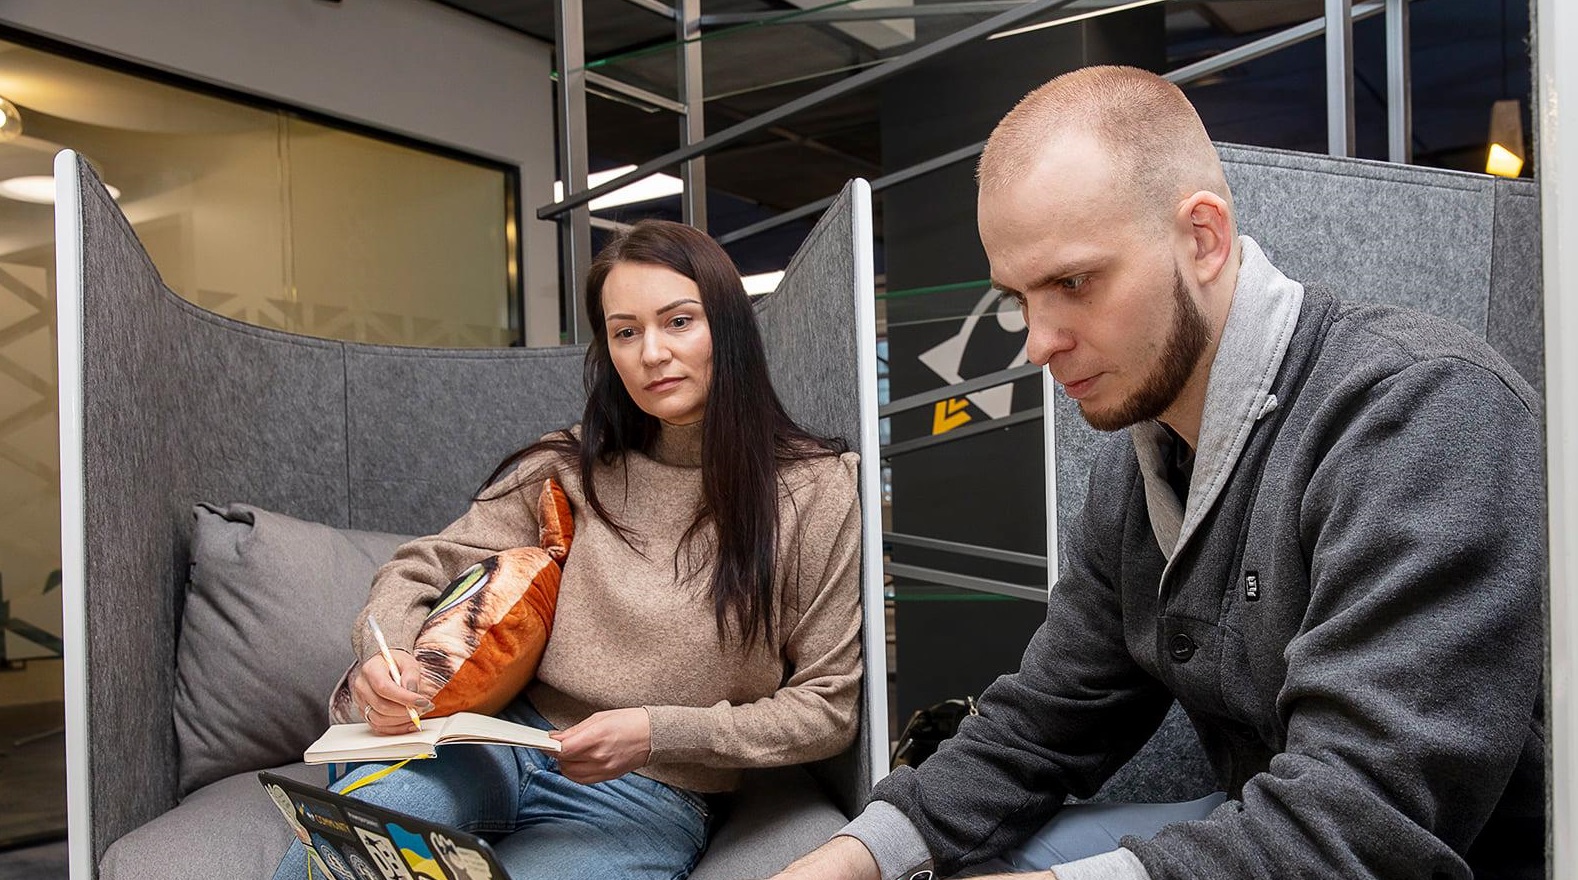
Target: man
1321 533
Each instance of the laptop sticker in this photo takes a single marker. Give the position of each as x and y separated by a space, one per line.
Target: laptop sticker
463 863
363 870
384 855
316 863
288 810
417 856
337 867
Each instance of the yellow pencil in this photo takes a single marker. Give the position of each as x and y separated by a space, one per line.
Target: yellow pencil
383 648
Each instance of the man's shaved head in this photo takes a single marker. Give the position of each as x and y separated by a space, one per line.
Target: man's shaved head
1145 125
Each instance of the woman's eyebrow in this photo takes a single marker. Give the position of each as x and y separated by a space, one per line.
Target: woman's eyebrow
676 304
668 308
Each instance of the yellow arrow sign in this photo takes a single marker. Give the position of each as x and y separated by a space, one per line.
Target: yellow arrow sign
949 414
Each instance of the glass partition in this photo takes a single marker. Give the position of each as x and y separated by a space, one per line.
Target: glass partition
257 213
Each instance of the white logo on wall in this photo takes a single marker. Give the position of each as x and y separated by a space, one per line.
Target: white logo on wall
946 358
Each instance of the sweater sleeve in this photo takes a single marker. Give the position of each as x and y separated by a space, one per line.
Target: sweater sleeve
1413 686
813 714
1078 708
405 587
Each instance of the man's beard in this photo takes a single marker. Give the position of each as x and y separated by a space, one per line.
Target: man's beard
1185 344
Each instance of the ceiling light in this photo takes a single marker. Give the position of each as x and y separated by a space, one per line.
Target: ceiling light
656 186
1506 139
1073 18
10 121
1502 162
764 283
38 189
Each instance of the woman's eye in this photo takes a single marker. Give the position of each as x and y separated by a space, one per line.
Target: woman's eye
681 321
624 333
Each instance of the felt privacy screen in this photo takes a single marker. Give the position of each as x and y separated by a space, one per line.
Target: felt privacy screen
164 405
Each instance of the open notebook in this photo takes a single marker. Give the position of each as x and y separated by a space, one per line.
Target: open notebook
357 742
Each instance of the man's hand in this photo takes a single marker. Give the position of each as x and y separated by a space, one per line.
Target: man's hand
382 703
842 858
605 746
845 858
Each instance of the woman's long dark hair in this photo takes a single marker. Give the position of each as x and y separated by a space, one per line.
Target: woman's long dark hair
746 438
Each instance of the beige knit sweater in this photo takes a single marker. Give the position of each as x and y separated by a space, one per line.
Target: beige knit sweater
628 633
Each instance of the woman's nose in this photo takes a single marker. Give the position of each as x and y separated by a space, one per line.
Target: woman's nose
654 350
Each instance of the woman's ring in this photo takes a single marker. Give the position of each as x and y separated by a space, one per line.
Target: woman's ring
365 716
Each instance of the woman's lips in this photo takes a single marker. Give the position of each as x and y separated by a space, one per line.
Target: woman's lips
664 384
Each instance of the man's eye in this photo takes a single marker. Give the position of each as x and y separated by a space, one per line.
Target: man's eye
1073 283
1013 296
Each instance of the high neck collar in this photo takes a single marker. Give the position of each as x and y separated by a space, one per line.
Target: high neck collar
678 445
1259 330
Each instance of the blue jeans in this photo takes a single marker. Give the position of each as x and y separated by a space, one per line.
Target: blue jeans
1082 830
541 825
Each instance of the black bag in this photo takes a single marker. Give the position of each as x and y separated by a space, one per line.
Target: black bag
928 727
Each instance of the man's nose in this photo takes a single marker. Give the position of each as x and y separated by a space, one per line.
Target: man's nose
1047 338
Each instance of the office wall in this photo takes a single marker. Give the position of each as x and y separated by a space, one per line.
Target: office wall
412 67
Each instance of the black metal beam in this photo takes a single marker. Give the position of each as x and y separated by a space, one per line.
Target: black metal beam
774 116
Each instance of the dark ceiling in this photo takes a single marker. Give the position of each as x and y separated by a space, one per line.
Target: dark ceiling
1466 54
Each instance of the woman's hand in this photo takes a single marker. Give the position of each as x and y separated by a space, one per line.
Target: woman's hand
605 746
381 702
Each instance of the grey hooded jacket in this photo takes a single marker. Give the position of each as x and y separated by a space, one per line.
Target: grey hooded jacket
1348 607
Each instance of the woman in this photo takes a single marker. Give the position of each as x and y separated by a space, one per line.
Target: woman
708 617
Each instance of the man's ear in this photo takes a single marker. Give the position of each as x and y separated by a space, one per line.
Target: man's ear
1206 223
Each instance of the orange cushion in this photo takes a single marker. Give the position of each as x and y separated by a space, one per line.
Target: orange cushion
483 640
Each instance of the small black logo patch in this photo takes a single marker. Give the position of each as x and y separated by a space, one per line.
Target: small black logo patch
1251 586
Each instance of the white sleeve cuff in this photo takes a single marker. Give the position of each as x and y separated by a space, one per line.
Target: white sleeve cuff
1120 864
892 840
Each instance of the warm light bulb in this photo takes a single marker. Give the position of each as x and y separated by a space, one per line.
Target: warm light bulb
10 121
38 189
1502 162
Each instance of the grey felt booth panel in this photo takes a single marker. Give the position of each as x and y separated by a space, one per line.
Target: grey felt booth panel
264 635
260 416
182 406
427 426
1170 768
178 404
1517 305
129 470
809 327
1373 231
230 827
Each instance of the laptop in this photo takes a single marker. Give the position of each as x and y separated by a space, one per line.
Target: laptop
348 839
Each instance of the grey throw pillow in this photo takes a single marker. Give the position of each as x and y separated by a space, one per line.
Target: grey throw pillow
265 634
